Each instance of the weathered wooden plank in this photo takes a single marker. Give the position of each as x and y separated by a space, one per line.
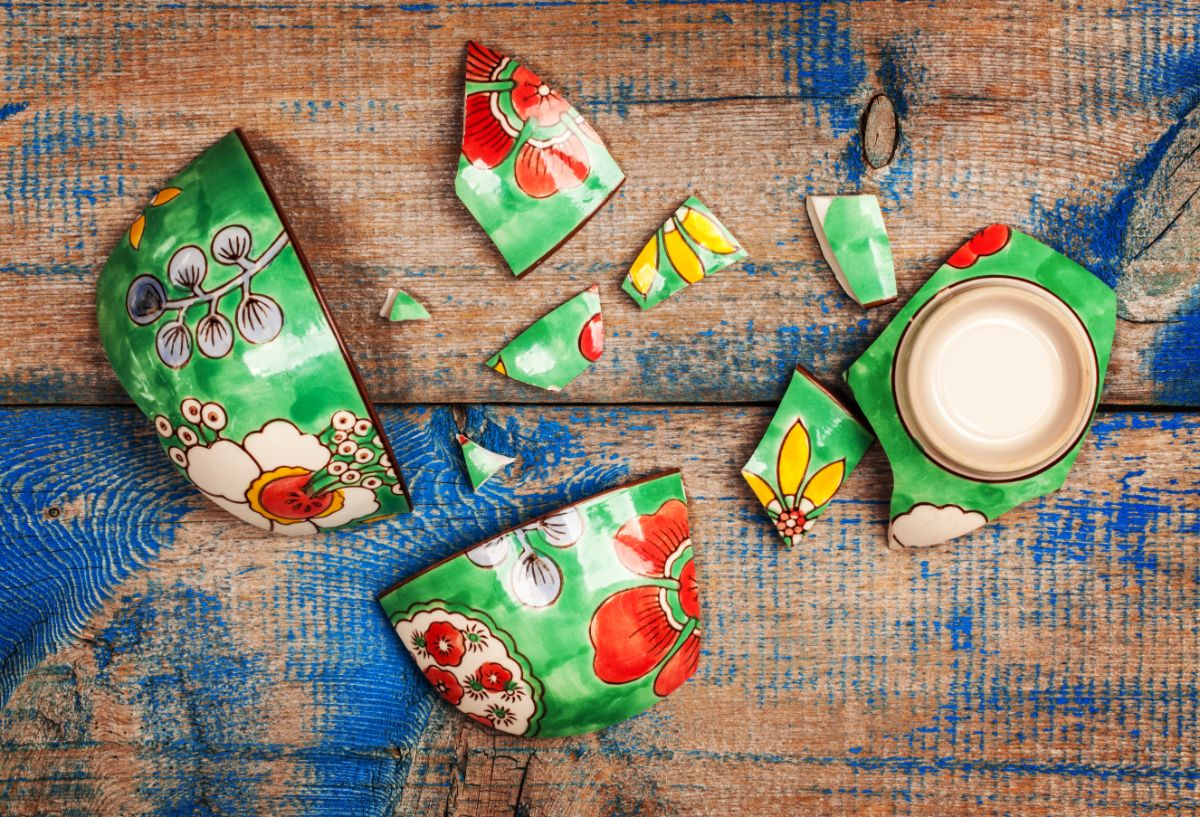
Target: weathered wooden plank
172 661
1075 124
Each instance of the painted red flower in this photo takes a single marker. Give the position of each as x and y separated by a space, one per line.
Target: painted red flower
545 164
988 241
445 643
445 683
492 676
591 338
634 630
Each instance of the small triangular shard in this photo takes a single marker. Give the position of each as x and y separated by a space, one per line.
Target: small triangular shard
481 463
557 347
691 244
531 170
400 306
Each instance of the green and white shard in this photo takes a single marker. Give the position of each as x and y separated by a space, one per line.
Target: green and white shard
400 306
855 243
557 347
481 463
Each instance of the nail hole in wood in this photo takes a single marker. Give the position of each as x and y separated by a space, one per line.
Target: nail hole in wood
879 131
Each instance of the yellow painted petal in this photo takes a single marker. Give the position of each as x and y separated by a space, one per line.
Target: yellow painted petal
760 487
793 459
683 258
645 266
165 195
824 483
705 232
135 231
500 367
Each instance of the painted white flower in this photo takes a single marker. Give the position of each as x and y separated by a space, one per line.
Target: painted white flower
925 525
268 479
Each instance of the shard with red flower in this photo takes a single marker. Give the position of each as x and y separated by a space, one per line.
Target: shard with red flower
531 170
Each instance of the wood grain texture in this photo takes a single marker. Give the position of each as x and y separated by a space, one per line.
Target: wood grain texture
1062 121
1046 665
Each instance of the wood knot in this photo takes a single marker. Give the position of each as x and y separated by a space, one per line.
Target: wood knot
53 512
879 131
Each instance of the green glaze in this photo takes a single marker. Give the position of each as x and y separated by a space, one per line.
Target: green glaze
927 498
557 347
216 330
531 170
855 243
481 463
810 448
400 306
569 624
691 244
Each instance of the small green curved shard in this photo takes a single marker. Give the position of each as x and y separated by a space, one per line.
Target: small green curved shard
481 463
855 243
400 306
557 347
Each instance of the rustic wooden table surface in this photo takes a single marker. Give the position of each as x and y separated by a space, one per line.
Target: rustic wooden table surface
159 658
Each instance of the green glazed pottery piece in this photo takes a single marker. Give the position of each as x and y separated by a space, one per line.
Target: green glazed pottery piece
531 171
215 326
691 244
557 347
853 240
481 463
569 624
400 306
810 448
983 386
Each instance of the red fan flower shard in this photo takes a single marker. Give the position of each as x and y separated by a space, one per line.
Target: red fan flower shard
988 241
553 157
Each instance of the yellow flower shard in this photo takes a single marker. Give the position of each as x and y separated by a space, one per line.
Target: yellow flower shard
135 231
706 232
645 266
165 195
761 489
824 484
682 257
793 459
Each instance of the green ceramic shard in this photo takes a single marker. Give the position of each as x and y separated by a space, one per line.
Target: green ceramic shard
1010 368
481 463
531 170
691 244
558 347
214 324
854 242
810 448
400 306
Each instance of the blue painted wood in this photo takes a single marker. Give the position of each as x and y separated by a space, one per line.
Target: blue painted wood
1054 654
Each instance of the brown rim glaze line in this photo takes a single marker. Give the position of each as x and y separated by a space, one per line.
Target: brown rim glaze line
854 412
578 227
622 487
312 282
1095 402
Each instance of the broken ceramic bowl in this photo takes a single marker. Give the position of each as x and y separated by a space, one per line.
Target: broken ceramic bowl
399 306
812 444
568 624
481 463
983 386
692 244
532 171
214 324
558 347
855 244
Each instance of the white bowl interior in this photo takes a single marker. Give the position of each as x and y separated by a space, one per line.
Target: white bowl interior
996 378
